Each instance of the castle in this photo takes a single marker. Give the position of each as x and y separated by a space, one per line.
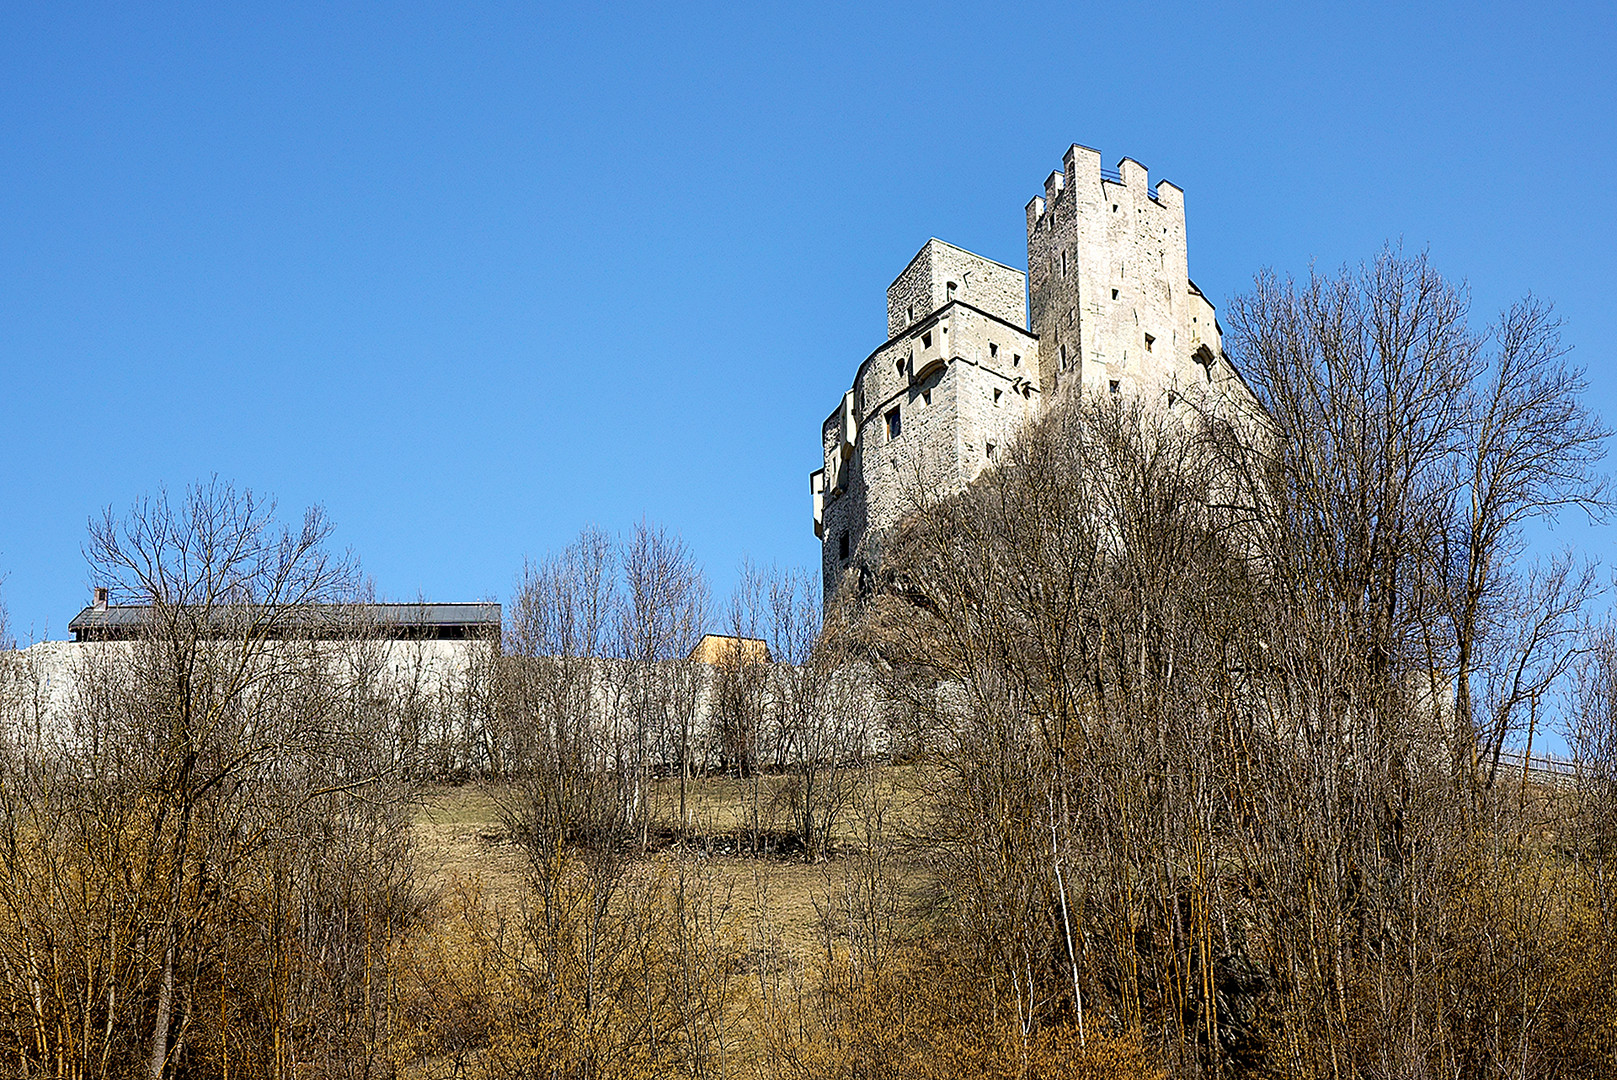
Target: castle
975 348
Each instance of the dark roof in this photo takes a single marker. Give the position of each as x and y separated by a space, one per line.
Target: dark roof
118 621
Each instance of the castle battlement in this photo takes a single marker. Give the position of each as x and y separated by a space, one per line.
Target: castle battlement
1081 167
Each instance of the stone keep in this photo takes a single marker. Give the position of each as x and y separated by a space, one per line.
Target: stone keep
1113 311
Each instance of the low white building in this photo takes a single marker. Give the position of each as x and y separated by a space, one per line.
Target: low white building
416 653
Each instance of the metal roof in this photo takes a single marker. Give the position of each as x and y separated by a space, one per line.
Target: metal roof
125 620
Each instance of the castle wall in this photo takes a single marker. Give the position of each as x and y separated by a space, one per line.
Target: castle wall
960 381
40 685
996 389
42 711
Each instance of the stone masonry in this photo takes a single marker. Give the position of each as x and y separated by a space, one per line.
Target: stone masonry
1113 311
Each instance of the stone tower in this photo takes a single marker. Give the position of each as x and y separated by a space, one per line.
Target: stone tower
1109 290
1113 312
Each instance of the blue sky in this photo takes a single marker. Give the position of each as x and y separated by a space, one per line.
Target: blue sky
473 277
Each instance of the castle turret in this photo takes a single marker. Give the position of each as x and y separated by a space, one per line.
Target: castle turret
941 273
929 409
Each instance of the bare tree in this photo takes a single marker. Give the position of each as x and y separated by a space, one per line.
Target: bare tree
555 638
1537 633
615 967
224 870
1592 736
823 706
1190 679
659 622
1363 379
689 687
1529 450
1409 450
222 583
739 696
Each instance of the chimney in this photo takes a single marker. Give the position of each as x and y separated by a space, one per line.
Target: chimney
101 598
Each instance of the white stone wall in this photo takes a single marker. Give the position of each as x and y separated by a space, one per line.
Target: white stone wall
38 688
39 684
995 368
962 381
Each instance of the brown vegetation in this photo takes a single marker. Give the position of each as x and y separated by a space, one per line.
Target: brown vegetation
1207 789
1171 747
209 873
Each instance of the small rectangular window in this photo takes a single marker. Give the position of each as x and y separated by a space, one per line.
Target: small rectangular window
1114 294
926 340
993 452
1113 386
894 424
842 547
996 398
1149 341
993 350
1016 360
1063 264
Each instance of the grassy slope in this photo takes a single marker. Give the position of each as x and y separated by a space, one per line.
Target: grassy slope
460 835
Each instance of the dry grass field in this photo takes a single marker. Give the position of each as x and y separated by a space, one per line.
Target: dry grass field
462 838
